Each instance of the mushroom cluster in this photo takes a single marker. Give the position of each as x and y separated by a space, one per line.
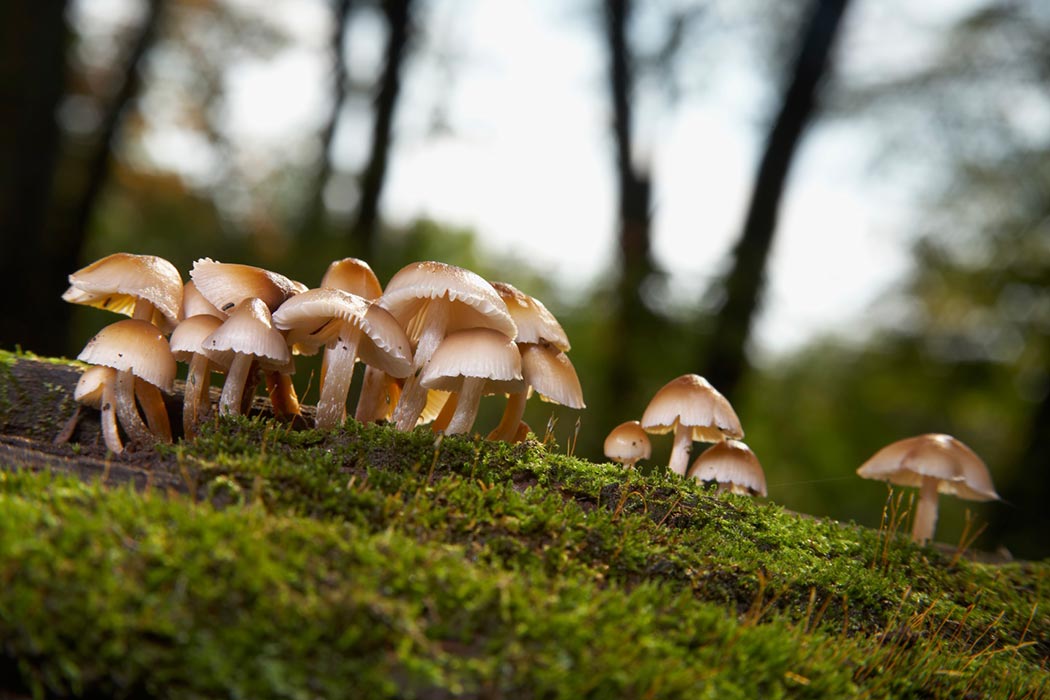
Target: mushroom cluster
438 339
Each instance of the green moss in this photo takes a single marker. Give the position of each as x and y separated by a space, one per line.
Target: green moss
302 563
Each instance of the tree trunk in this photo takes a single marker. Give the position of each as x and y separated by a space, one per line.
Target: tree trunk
743 288
362 236
33 37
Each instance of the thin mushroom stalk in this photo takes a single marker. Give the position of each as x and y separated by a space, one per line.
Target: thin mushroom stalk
110 431
331 407
372 404
197 385
683 440
413 396
467 403
233 388
512 415
153 408
128 412
926 511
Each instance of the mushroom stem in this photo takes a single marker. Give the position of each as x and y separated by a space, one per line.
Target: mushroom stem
154 409
233 388
143 310
128 412
926 512
414 396
331 408
445 416
198 382
110 432
282 395
372 404
508 424
466 406
683 440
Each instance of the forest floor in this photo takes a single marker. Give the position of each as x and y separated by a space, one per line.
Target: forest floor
264 561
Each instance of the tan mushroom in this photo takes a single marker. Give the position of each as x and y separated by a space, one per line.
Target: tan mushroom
627 443
471 363
146 287
733 466
349 327
694 410
96 389
431 300
245 337
934 463
187 345
144 365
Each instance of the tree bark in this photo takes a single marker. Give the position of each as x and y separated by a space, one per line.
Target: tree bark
743 287
398 15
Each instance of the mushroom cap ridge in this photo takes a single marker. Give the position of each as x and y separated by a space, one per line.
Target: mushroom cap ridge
961 472
691 401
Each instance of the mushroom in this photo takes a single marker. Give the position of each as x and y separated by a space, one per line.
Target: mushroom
473 362
245 337
935 463
733 466
627 443
96 389
431 300
194 303
542 343
348 326
144 365
694 410
187 342
146 287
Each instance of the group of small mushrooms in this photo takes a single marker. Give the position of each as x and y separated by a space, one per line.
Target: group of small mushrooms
436 340
695 411
433 343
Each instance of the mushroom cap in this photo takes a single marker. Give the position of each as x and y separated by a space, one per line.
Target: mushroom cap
135 346
905 462
117 281
691 401
475 304
226 285
354 276
194 303
477 353
316 317
249 331
730 462
535 323
91 384
549 371
627 443
188 337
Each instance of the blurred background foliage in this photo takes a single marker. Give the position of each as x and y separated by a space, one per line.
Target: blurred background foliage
960 346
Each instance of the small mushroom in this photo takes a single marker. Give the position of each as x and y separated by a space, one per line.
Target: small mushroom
733 466
431 300
471 363
187 343
245 337
144 365
349 327
627 443
146 287
547 370
934 463
96 389
694 410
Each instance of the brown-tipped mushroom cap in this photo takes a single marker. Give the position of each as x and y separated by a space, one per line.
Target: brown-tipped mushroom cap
248 331
226 285
354 276
120 281
959 470
188 337
690 400
627 443
535 323
194 303
91 385
731 463
479 353
551 374
133 346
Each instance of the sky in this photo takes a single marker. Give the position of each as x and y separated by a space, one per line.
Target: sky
524 156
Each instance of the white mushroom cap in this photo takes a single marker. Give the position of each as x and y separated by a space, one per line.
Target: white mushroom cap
478 353
691 401
313 319
249 331
627 443
188 337
731 462
116 282
91 384
226 285
960 471
352 275
477 305
551 374
135 346
535 323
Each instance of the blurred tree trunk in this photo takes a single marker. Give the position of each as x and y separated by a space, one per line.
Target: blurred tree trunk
633 318
33 37
314 221
743 287
398 15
